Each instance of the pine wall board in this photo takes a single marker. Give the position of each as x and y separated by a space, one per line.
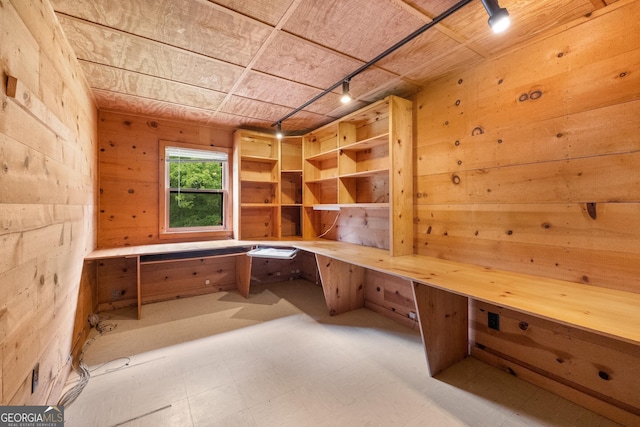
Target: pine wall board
48 143
128 162
530 162
534 156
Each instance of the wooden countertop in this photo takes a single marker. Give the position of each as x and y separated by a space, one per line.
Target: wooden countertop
608 312
604 311
163 248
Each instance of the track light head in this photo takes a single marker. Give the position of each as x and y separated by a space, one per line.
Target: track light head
279 130
498 16
346 97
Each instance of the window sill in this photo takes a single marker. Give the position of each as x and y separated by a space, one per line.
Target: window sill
195 234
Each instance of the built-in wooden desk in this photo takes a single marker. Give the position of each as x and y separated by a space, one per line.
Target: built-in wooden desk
442 289
178 252
605 311
608 312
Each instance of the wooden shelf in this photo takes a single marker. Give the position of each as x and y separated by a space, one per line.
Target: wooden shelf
321 180
350 163
327 155
291 171
259 205
338 206
259 181
291 205
374 141
259 159
363 174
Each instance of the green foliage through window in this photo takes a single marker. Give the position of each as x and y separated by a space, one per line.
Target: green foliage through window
196 195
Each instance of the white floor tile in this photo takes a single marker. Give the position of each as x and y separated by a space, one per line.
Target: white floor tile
278 359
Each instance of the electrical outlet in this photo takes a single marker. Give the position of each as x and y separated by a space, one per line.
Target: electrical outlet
207 282
493 320
35 376
412 315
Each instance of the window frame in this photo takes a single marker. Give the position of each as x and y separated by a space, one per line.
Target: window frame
211 232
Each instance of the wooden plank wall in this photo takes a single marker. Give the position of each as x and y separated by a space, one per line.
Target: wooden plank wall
48 143
116 278
530 162
128 173
390 296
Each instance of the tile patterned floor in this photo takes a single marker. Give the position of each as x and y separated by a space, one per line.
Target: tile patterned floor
278 359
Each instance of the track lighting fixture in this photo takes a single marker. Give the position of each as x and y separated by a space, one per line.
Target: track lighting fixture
346 97
498 20
498 16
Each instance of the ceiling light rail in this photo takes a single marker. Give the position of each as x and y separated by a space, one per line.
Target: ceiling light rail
498 20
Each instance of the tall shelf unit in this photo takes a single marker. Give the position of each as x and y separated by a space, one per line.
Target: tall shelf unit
267 185
362 163
291 187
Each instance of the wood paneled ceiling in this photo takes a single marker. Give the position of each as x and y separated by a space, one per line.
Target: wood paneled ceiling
243 63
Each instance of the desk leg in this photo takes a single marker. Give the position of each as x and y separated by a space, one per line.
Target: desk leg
243 274
342 284
138 285
444 325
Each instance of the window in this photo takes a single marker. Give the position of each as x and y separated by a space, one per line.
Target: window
195 193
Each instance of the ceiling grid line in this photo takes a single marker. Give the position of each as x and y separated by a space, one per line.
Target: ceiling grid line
248 68
245 62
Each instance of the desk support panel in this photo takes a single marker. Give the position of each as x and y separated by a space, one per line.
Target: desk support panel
243 274
443 318
342 284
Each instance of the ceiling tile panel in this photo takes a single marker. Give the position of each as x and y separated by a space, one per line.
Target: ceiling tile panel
254 109
94 43
112 101
233 121
359 28
127 82
300 61
196 26
111 47
423 50
279 91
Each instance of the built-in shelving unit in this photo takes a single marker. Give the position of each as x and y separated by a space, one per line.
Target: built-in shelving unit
267 185
291 187
360 167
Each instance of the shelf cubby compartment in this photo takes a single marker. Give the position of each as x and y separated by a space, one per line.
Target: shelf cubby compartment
290 221
320 223
253 169
320 141
321 168
321 191
368 123
354 160
364 187
258 192
258 146
259 221
291 154
291 188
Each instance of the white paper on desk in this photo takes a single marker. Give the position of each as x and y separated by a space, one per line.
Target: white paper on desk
280 253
